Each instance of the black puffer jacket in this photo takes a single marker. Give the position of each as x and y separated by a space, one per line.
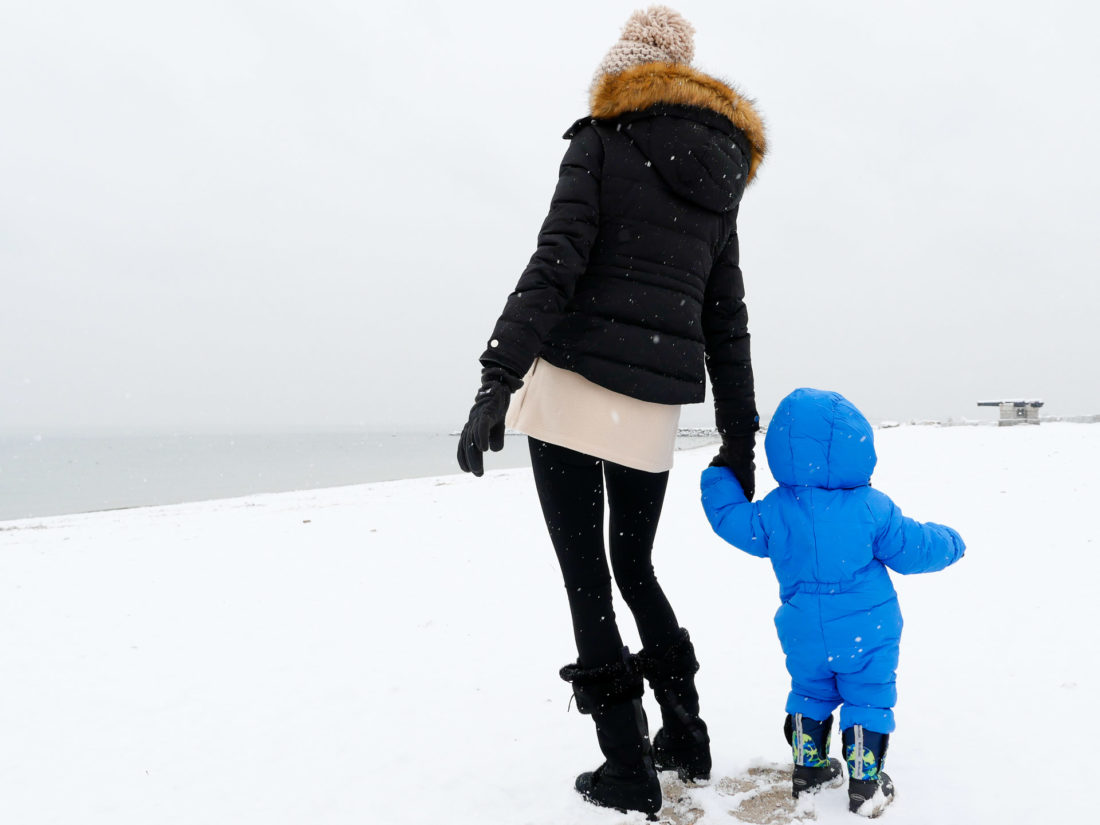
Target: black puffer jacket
635 282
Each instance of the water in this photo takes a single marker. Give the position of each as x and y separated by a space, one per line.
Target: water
45 476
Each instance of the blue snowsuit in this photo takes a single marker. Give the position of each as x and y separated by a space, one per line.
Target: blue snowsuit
830 538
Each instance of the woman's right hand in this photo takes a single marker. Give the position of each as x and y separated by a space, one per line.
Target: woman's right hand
485 428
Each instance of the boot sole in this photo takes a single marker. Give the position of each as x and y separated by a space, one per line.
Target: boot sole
650 816
687 770
586 787
835 781
873 806
685 775
857 804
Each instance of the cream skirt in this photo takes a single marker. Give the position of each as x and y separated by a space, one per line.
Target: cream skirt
561 407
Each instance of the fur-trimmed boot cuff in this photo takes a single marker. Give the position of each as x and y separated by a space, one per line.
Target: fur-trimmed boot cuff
599 687
669 664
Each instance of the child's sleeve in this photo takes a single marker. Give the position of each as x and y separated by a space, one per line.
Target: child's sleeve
908 546
733 517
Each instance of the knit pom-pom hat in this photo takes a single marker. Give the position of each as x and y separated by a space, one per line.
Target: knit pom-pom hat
656 34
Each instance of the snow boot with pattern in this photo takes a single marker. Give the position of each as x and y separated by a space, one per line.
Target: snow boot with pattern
682 744
869 787
612 696
813 768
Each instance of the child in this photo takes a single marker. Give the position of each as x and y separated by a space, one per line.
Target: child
830 538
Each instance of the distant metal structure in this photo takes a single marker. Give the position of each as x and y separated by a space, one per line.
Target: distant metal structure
1015 412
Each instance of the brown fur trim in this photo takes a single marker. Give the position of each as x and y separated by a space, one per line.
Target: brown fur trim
648 84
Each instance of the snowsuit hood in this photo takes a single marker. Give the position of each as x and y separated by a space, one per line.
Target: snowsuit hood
819 439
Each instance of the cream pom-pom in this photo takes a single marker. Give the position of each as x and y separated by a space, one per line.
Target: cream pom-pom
664 28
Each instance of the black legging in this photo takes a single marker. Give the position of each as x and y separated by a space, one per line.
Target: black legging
570 488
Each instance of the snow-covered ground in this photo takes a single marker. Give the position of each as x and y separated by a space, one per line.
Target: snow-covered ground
389 652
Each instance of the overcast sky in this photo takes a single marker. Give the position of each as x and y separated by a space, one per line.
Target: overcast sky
222 215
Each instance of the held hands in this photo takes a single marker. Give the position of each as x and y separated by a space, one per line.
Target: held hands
485 428
736 453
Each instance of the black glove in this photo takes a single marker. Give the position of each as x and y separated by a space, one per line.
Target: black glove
737 454
485 429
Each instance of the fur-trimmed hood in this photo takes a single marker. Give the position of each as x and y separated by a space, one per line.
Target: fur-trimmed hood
652 84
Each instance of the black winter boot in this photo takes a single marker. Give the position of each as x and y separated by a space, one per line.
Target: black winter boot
869 787
612 696
809 741
682 744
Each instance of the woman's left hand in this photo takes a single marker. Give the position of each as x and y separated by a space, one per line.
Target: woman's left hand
737 453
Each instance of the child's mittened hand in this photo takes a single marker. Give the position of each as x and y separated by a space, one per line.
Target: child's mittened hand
737 453
715 474
960 545
730 514
721 481
955 546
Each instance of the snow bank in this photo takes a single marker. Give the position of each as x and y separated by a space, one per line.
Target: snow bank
389 652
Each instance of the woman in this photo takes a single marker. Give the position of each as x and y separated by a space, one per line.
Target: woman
634 285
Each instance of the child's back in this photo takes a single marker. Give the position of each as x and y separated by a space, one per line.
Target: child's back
830 538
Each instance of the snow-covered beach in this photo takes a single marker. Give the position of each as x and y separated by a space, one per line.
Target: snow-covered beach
389 652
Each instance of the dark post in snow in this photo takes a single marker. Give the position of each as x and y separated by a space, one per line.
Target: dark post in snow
1015 412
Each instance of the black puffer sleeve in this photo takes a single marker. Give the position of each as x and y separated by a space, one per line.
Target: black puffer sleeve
726 330
566 238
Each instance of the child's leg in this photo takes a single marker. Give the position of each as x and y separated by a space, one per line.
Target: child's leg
809 741
809 723
867 719
870 693
813 697
814 691
870 788
863 642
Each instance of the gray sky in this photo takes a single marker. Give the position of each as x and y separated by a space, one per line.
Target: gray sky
256 216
